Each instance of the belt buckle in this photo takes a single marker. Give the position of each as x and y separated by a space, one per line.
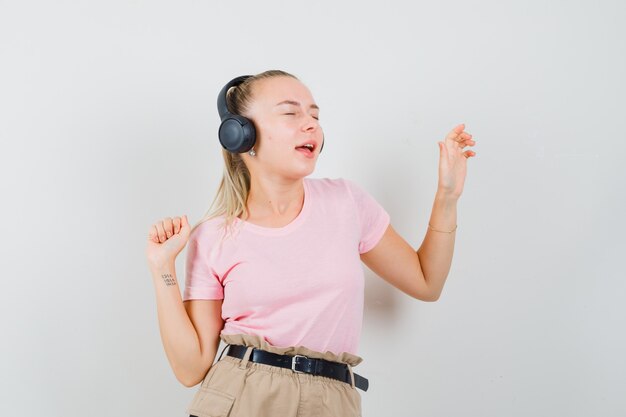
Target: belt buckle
293 363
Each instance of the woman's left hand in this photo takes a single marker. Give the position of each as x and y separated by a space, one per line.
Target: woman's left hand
453 161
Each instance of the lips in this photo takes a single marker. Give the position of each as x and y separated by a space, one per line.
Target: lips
311 141
306 152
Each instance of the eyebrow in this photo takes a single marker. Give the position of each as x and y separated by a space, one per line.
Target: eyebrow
295 103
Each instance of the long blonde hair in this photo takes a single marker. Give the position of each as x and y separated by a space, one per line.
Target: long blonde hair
232 193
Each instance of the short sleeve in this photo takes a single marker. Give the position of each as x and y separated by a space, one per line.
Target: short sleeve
373 219
201 281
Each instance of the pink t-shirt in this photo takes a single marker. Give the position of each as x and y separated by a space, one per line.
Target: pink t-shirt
301 284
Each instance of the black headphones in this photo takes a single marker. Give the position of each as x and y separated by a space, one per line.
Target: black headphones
236 133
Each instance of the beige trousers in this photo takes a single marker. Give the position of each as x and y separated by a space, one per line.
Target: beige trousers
236 387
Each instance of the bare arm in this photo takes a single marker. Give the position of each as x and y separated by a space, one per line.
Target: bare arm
395 261
435 253
189 331
423 273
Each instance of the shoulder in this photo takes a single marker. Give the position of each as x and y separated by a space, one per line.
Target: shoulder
207 230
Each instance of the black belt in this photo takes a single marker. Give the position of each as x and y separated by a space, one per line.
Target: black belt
301 363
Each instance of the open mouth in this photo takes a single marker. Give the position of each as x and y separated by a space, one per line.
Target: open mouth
306 149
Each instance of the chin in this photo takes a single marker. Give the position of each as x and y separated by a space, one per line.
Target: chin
302 173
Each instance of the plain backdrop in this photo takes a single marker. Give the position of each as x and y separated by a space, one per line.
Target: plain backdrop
108 123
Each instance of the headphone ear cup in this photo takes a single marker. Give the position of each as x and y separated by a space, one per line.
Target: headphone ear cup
237 134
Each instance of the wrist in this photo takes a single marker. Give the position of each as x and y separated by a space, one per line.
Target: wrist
164 273
445 196
157 266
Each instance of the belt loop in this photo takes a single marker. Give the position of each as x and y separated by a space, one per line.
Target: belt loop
220 357
351 375
246 357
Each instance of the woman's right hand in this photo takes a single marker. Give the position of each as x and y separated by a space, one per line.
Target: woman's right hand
166 239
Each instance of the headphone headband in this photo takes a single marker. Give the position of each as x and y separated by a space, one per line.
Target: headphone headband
221 97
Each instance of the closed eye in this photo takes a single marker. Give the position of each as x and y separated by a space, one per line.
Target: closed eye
316 118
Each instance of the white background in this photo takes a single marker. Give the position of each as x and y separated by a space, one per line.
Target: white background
108 123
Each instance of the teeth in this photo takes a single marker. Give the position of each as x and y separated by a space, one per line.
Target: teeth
308 145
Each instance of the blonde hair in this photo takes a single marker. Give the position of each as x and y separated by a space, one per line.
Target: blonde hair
232 193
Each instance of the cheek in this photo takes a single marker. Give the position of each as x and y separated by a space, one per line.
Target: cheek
282 134
279 134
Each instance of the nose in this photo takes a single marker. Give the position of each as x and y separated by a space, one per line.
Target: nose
311 124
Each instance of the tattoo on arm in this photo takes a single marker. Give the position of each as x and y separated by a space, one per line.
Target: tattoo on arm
168 279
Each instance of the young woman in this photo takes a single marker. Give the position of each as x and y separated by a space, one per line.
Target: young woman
275 270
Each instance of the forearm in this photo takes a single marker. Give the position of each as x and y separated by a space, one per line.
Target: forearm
179 337
435 253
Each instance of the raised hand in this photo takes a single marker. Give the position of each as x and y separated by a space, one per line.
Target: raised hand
166 239
453 161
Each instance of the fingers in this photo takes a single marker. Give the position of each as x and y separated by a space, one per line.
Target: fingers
456 132
460 137
153 234
456 141
161 231
166 228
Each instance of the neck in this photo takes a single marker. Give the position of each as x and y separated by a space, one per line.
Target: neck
271 198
